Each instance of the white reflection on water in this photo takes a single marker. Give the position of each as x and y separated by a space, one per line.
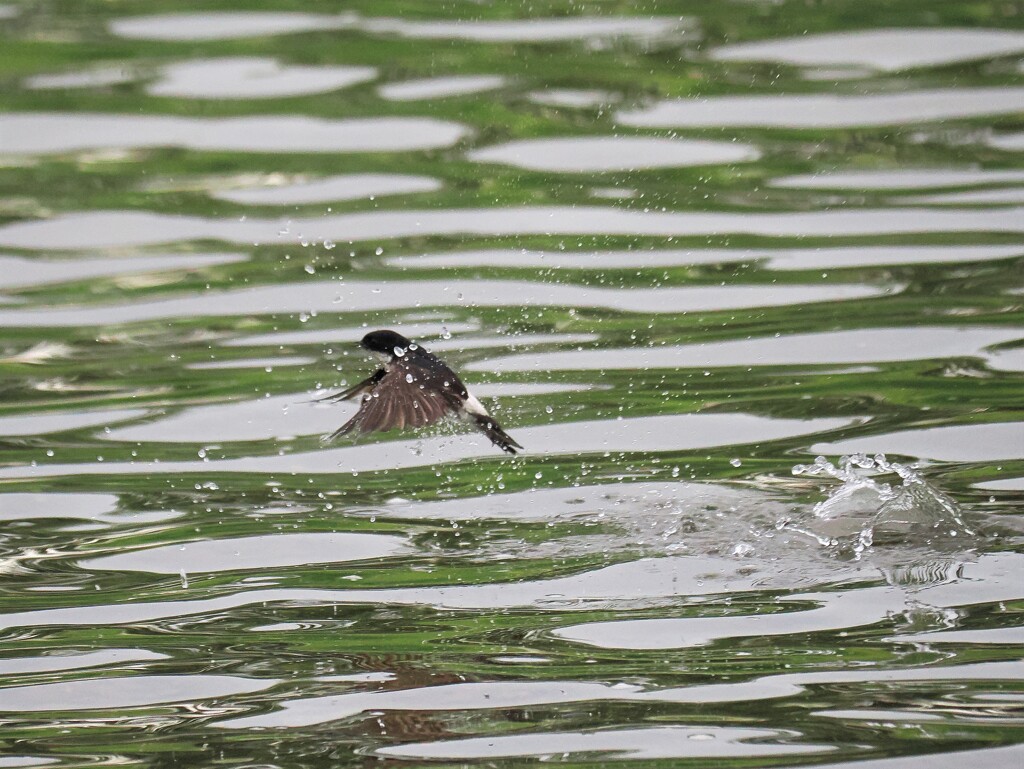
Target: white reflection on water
826 110
574 98
90 78
108 229
330 188
21 506
836 611
247 77
228 25
28 133
135 691
1011 197
897 179
44 423
1008 142
536 30
75 660
877 714
331 296
225 25
645 582
506 694
24 506
265 363
422 332
984 442
1003 484
259 552
511 341
440 87
788 685
775 259
19 272
983 758
707 742
872 345
993 577
1001 635
280 416
451 697
613 153
659 433
884 49
619 500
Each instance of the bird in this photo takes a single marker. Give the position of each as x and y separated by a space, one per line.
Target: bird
413 388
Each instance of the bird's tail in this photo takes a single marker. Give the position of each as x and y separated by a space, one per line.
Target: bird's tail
498 437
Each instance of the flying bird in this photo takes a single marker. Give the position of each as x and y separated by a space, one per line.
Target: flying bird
413 388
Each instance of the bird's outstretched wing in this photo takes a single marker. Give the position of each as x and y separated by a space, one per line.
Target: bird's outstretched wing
365 386
398 399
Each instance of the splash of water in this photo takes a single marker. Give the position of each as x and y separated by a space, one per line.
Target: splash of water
871 510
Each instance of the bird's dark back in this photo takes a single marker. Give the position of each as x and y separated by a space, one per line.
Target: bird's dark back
434 371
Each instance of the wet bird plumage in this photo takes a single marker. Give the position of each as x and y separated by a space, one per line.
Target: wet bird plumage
413 389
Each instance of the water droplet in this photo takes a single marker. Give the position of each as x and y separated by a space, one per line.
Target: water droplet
399 352
736 462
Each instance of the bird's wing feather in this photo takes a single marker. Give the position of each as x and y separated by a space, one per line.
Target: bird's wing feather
365 386
397 402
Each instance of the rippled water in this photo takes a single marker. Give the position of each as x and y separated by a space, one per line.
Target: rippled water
745 280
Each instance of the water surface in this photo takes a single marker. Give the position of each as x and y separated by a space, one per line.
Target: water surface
679 250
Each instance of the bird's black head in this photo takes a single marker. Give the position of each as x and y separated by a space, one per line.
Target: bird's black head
384 342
